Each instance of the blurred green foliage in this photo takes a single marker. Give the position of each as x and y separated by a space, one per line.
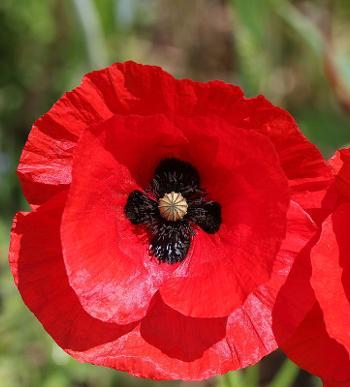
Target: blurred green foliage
297 53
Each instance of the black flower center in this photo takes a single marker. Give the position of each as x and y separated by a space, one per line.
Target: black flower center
171 207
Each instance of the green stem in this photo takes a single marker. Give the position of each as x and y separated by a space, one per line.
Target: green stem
286 375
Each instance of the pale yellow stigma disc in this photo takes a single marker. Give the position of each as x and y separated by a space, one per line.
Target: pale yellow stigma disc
173 206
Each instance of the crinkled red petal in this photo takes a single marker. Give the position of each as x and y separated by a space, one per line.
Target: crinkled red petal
39 272
309 175
46 160
130 88
331 274
122 88
166 344
240 171
107 258
321 344
260 323
89 312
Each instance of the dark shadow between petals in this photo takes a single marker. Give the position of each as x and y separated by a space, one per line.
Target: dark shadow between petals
312 348
178 336
295 298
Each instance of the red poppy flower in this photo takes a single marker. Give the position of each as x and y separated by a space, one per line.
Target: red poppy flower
166 216
322 343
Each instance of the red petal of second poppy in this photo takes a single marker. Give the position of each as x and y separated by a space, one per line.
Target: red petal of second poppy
340 162
331 274
321 344
327 383
313 349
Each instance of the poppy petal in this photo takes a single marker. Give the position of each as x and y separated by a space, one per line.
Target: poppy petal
241 171
46 161
312 348
321 344
327 383
198 349
131 88
107 258
340 163
331 274
170 345
308 173
37 266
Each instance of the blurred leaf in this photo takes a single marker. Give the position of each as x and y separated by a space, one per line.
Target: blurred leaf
57 380
343 63
90 22
252 42
327 129
253 15
299 23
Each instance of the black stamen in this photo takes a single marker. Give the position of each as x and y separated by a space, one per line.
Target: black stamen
170 240
139 208
207 215
175 175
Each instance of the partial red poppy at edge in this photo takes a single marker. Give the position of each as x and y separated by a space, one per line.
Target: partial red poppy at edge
321 344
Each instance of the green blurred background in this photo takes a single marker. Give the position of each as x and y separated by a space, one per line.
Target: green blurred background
297 53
